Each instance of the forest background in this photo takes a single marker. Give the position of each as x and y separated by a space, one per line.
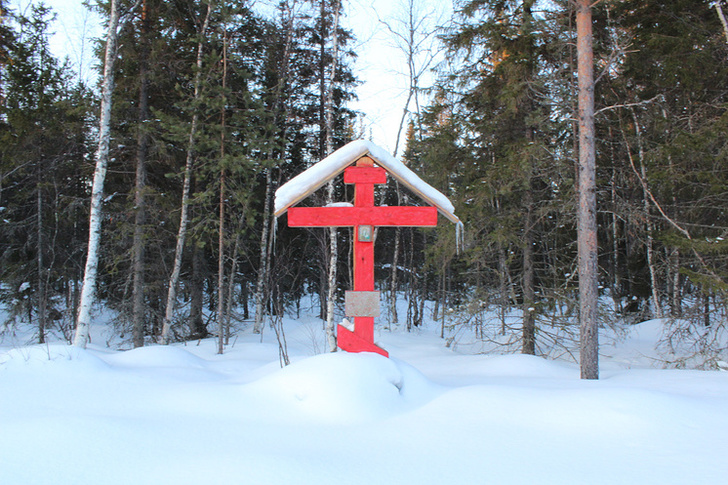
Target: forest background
271 91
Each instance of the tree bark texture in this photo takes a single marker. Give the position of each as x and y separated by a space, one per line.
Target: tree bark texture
221 327
261 287
196 323
329 135
88 290
587 207
137 312
42 287
221 268
529 296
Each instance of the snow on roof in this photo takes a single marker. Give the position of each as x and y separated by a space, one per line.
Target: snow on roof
305 183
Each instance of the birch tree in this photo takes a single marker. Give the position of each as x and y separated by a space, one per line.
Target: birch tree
413 36
329 128
117 20
261 288
184 211
718 5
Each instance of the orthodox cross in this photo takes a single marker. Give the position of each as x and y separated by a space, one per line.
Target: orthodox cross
363 302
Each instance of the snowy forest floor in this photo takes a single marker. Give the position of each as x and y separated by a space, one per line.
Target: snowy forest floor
432 414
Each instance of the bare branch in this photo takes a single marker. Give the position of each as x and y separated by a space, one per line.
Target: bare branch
647 190
627 105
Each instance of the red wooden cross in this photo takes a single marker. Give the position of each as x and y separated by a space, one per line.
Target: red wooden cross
364 217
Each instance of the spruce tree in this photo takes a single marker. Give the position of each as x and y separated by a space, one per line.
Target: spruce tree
42 148
508 188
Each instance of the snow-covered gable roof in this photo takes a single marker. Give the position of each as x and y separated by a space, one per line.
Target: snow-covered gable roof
307 182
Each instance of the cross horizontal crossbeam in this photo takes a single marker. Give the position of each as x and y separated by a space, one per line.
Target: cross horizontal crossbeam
355 216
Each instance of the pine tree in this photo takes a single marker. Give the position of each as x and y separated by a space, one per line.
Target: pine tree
587 212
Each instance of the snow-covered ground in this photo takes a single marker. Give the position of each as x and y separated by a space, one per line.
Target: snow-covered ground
429 415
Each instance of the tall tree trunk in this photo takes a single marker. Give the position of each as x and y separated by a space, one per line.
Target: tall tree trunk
88 290
412 290
137 312
529 297
263 276
616 275
184 213
221 268
675 303
221 225
196 323
674 253
244 294
443 297
395 265
231 288
42 287
329 131
529 292
262 283
423 291
503 287
323 36
587 208
656 307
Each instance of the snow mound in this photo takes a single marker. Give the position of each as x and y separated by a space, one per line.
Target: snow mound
519 365
344 388
55 356
155 356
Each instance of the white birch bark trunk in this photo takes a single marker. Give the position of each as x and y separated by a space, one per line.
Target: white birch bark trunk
656 307
676 308
721 15
261 287
333 241
184 214
88 289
